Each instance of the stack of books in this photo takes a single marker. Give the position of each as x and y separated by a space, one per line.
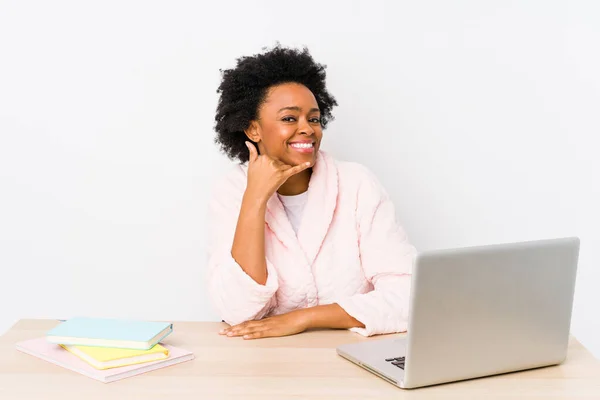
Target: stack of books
107 349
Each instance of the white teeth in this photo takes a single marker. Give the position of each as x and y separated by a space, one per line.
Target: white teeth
302 145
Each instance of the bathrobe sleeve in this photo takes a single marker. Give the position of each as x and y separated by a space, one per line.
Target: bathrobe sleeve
387 259
235 295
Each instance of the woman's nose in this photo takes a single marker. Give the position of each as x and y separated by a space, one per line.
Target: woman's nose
305 128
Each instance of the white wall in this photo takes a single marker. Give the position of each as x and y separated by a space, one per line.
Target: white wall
481 118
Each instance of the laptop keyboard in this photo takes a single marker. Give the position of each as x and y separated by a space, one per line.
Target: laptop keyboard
397 361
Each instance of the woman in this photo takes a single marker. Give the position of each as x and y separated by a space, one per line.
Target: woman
298 240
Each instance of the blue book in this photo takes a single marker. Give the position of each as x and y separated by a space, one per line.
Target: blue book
103 332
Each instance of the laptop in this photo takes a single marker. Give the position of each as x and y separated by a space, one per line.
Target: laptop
479 311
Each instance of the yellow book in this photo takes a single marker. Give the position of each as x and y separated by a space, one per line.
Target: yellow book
108 357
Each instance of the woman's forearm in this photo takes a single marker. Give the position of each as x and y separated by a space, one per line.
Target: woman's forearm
248 248
329 316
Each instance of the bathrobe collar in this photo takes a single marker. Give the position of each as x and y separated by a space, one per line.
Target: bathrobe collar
318 211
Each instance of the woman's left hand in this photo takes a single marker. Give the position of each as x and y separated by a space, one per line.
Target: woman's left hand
279 325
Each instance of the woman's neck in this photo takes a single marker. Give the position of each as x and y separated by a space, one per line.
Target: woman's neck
296 184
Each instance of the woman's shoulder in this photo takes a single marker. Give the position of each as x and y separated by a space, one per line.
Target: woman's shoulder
352 168
232 181
358 183
355 174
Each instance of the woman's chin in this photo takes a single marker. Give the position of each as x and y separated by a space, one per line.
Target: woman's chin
306 158
300 157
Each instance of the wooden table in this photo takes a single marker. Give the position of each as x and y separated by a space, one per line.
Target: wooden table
303 366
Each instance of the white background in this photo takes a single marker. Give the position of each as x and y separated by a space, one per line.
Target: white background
481 119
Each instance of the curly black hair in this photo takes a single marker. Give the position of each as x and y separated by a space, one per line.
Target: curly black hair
244 88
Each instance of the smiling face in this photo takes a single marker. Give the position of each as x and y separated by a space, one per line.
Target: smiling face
289 125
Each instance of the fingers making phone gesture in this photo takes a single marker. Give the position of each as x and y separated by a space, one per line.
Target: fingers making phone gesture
266 174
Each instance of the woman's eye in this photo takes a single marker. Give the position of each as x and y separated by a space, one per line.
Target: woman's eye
293 119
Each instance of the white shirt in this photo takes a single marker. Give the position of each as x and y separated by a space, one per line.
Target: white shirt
294 208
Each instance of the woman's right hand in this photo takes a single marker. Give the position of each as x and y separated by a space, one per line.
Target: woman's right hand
266 174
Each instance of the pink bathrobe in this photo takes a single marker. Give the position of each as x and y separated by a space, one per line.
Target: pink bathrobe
349 250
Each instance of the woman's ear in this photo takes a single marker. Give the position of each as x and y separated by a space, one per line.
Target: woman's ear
252 132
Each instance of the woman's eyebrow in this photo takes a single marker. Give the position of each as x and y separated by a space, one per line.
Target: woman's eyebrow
296 108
